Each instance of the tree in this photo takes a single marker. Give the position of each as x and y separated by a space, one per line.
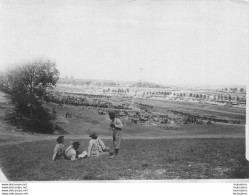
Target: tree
29 83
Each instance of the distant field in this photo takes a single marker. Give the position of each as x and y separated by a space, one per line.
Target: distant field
138 159
211 92
80 123
222 93
196 108
84 119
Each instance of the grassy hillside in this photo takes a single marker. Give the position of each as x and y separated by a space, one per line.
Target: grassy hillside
138 159
84 119
147 152
196 108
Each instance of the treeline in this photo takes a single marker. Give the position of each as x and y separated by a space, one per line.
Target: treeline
233 90
72 81
148 85
119 90
164 93
28 86
221 97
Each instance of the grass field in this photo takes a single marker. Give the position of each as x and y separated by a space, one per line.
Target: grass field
138 159
147 152
197 108
84 119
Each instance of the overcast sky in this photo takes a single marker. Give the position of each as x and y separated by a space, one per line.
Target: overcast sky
175 42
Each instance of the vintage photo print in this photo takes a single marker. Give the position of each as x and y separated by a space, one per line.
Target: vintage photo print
124 91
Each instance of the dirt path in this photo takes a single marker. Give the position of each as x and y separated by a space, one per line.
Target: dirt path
5 106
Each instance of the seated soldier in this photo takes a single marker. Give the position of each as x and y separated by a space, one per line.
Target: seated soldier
102 148
59 149
72 153
96 146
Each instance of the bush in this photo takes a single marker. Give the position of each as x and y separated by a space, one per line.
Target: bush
28 85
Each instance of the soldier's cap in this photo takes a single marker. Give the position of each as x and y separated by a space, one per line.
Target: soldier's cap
92 133
76 144
60 139
112 114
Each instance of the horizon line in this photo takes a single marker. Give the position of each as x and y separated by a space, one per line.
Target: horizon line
160 83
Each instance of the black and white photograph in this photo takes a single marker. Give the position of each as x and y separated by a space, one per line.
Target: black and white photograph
123 90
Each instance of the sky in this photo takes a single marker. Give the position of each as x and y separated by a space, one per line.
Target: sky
162 41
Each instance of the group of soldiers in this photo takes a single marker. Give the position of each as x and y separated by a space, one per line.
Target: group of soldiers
96 146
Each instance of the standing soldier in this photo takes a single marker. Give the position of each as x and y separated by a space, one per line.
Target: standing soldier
116 125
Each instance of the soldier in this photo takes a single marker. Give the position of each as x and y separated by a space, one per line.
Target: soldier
72 153
96 146
59 149
116 125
